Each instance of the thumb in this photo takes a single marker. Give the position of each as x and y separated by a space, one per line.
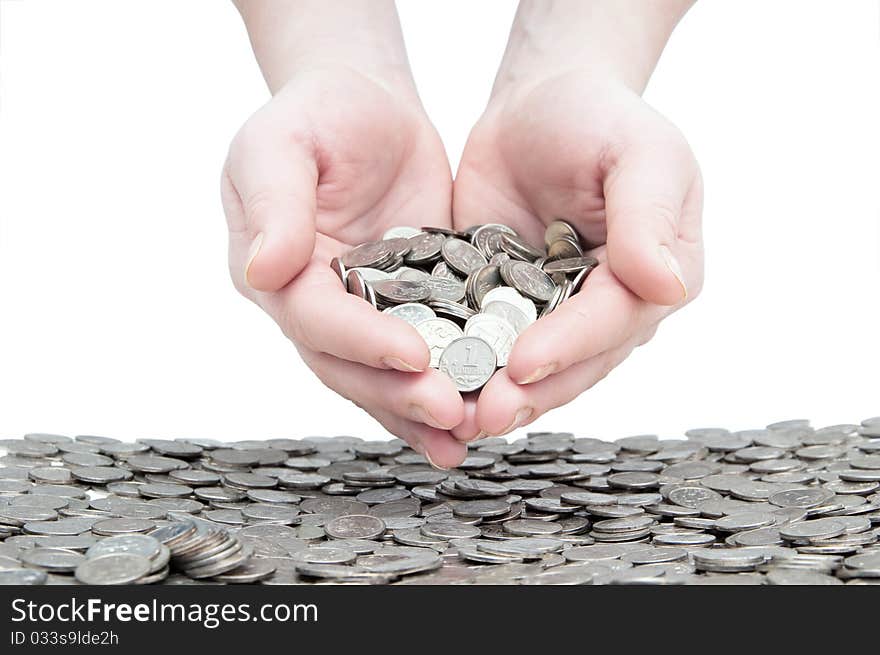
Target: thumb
645 190
276 181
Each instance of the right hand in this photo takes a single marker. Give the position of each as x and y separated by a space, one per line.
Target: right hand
332 161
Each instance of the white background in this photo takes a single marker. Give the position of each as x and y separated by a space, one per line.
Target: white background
117 316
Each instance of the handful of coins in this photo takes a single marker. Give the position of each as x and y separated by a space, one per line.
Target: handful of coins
469 294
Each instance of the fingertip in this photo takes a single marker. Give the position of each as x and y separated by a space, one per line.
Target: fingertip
442 451
435 394
409 352
500 401
468 430
528 361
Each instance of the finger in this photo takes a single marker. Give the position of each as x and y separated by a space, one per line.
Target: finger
429 397
316 312
275 178
468 430
438 447
603 315
645 190
505 405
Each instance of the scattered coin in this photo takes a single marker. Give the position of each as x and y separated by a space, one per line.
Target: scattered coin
113 569
550 508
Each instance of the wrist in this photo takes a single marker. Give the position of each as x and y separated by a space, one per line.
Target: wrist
360 35
617 40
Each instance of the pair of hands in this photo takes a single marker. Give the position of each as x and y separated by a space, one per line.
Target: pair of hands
337 157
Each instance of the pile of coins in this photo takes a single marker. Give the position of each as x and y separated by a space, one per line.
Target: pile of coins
469 294
786 504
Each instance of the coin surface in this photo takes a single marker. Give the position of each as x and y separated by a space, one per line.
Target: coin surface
399 292
113 569
495 331
412 313
462 257
469 361
438 333
355 526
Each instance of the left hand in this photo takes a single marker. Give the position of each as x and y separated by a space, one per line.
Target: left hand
593 153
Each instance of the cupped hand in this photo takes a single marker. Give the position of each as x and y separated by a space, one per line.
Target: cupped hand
596 155
332 161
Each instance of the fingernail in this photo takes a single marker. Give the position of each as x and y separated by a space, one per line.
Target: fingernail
400 365
431 462
539 373
253 251
421 415
522 415
673 265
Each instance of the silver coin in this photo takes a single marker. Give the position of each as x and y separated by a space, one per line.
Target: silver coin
58 560
113 569
400 291
480 282
519 248
462 257
401 232
139 544
444 288
412 313
529 280
22 577
482 235
468 361
438 333
355 526
368 255
370 275
424 247
801 498
251 571
410 274
325 555
512 297
495 331
571 265
558 230
815 529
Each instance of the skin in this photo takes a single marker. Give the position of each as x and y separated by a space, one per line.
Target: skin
567 135
344 150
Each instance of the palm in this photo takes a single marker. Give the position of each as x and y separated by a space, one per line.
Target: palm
543 155
380 161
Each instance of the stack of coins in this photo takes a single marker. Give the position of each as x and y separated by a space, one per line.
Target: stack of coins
786 504
202 551
469 294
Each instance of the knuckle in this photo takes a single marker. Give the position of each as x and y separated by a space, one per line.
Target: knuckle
258 207
665 212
